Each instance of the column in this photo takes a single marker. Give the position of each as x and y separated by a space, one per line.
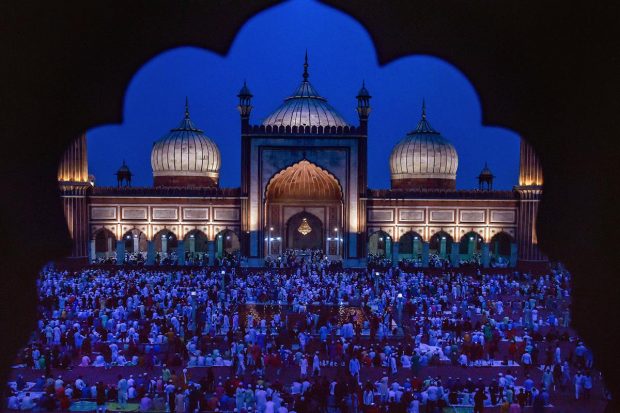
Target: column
136 243
416 248
454 254
150 252
395 253
425 254
514 254
93 251
211 251
110 249
486 257
164 244
192 244
120 252
471 244
181 252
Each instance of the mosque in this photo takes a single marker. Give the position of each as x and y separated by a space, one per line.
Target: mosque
303 185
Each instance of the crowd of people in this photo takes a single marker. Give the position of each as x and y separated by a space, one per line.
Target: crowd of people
199 259
303 337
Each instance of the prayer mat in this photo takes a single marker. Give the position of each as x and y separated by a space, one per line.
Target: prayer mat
458 409
129 407
83 406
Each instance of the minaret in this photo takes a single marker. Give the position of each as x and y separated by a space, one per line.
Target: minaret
245 109
245 105
363 107
74 184
363 110
530 190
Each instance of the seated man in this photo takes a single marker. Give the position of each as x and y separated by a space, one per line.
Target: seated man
99 361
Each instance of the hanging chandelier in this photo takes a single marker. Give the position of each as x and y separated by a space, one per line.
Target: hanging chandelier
304 228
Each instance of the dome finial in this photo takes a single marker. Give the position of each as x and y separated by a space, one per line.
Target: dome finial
423 108
186 108
306 75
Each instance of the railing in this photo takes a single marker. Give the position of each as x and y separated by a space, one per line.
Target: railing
166 191
439 194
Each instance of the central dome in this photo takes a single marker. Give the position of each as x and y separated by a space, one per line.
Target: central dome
424 159
305 107
185 157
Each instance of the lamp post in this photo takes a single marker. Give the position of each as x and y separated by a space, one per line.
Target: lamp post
337 242
269 238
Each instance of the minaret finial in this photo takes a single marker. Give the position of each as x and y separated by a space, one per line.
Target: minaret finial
306 67
423 108
186 108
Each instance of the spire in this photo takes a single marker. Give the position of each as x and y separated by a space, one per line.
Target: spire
306 75
423 125
186 123
363 92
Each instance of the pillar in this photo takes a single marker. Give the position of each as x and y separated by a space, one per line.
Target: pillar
164 244
454 254
192 244
514 254
136 243
211 251
110 248
416 248
425 253
120 252
471 244
93 251
486 257
150 252
181 252
395 253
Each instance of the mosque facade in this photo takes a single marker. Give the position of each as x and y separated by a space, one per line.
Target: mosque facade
303 185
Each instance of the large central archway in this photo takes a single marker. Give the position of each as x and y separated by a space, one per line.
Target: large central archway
303 210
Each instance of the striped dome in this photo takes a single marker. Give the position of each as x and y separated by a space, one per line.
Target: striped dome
424 159
185 157
305 107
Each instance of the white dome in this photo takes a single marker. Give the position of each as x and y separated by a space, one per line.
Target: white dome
305 107
424 158
185 152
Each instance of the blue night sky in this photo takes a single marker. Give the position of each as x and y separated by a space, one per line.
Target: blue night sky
268 52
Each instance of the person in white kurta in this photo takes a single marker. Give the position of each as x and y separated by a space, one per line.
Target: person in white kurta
316 365
303 366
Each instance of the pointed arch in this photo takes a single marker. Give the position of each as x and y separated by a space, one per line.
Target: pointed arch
441 244
410 245
380 244
303 180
